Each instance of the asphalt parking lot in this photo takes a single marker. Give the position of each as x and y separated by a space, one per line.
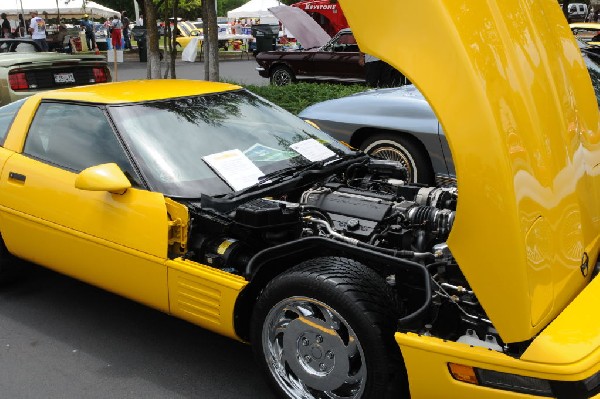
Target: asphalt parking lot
61 338
234 68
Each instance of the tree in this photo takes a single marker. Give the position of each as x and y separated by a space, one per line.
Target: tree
153 64
211 46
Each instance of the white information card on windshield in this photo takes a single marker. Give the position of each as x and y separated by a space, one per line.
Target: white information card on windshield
312 150
235 168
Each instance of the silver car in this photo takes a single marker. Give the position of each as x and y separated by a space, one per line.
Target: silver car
394 124
399 124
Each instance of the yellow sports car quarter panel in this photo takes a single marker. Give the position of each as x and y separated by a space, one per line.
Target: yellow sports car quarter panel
522 122
203 295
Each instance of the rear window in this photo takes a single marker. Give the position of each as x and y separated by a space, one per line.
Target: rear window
7 115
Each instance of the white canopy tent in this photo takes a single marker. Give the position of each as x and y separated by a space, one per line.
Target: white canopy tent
255 9
73 9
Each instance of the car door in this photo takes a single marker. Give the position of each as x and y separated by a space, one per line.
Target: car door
338 59
115 241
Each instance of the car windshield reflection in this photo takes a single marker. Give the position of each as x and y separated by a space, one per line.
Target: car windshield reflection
171 139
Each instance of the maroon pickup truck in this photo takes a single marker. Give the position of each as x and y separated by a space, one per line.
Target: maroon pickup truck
335 61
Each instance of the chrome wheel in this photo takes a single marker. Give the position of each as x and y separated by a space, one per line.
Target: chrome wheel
282 76
312 352
394 154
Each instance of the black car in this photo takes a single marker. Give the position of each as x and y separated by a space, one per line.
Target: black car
335 61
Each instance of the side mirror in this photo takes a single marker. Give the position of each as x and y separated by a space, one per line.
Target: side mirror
106 177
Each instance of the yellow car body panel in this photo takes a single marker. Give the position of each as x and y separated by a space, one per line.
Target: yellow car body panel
511 90
427 358
204 295
567 350
117 242
574 337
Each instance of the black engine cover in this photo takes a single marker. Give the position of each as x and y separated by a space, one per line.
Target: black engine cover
353 213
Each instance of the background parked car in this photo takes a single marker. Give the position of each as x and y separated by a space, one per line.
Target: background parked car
399 124
335 61
23 74
585 31
395 124
577 12
19 45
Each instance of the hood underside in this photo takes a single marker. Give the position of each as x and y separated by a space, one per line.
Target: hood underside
509 86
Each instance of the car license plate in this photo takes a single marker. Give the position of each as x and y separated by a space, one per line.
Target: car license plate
64 78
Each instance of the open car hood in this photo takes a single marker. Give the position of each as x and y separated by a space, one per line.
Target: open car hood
305 29
507 81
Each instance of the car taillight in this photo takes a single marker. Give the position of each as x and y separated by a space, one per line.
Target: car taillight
18 81
100 75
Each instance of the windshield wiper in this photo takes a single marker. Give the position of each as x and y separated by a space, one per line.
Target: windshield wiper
280 175
290 171
293 172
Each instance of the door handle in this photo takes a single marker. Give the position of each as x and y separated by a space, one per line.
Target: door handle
17 176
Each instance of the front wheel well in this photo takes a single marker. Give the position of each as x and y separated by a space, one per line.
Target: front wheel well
270 263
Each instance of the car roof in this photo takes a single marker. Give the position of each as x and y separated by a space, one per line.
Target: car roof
136 91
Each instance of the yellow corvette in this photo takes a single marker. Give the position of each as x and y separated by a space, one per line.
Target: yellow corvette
183 41
206 202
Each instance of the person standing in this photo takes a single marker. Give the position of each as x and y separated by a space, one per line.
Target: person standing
21 28
125 22
5 27
116 37
90 36
140 21
37 28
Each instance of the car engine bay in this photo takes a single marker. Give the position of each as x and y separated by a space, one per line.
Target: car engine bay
360 209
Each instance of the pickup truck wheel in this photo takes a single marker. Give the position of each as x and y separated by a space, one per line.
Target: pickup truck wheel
324 329
404 150
281 76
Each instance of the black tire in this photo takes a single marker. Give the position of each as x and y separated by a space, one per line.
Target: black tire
356 357
403 149
282 76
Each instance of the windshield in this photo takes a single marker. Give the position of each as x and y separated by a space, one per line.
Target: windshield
216 144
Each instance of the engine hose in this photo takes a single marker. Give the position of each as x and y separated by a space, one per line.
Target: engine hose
393 252
428 294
